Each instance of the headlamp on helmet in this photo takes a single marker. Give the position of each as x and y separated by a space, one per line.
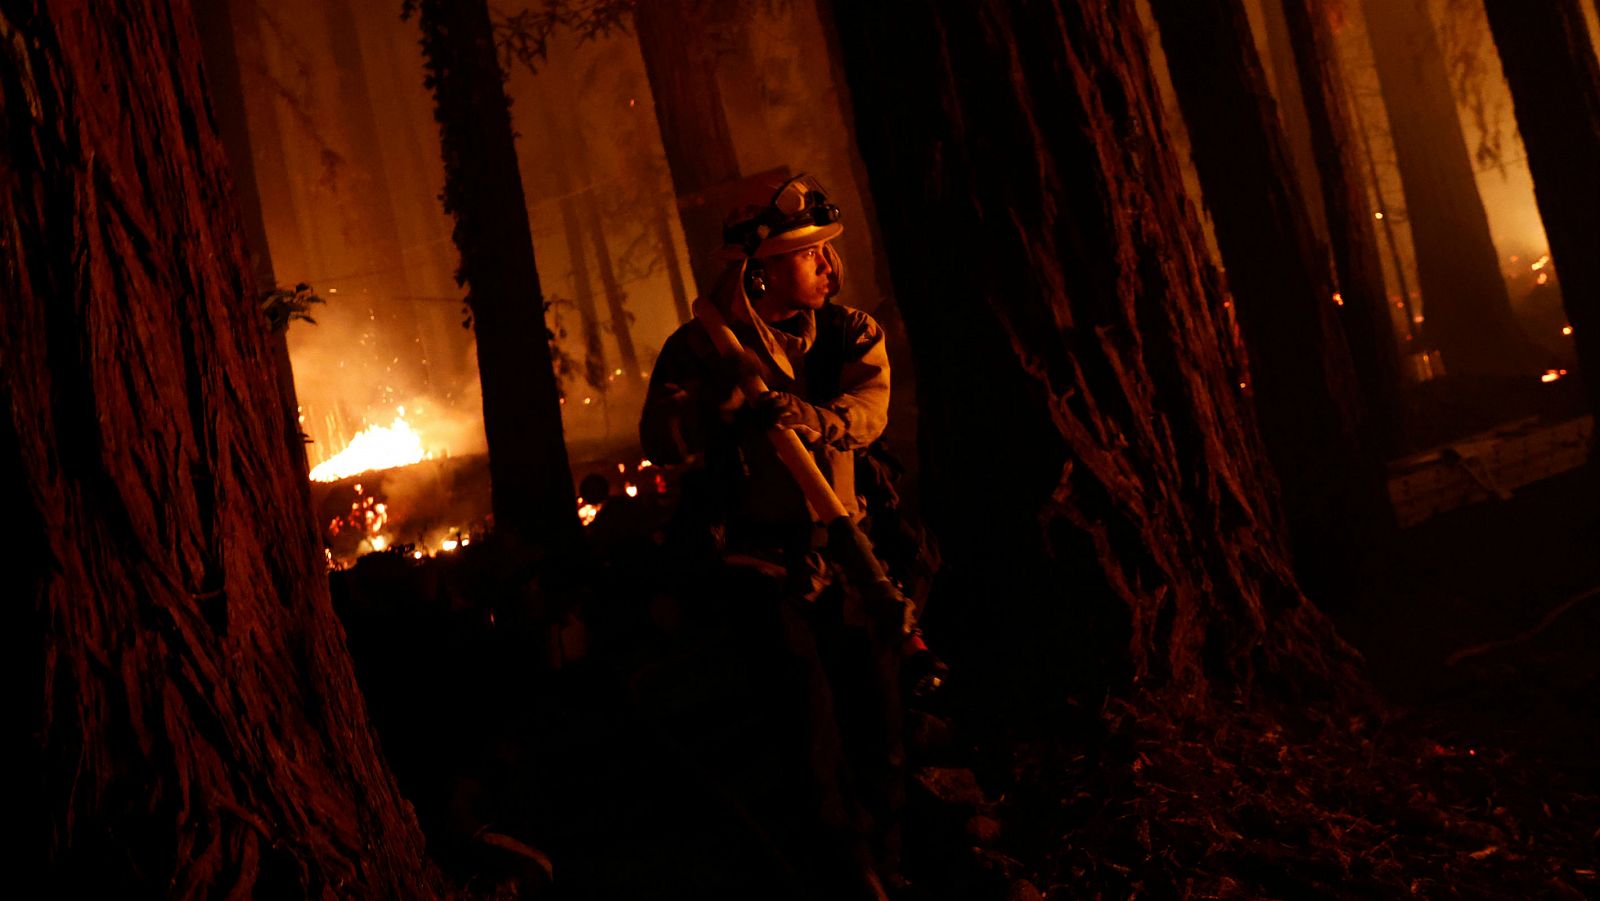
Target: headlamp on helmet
799 203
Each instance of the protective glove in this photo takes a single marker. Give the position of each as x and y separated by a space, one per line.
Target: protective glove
782 410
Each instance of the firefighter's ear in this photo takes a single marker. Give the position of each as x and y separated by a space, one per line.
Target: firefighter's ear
755 279
835 270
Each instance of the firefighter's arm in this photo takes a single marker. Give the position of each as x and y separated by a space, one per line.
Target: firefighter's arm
859 414
692 394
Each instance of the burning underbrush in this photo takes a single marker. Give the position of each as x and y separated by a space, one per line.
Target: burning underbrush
427 507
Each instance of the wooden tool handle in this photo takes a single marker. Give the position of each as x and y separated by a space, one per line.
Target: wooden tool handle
791 450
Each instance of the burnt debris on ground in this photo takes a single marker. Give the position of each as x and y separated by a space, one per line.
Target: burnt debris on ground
593 718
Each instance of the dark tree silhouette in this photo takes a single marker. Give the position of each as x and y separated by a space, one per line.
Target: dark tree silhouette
1467 306
679 59
528 467
1089 466
1550 64
1364 309
1301 376
191 722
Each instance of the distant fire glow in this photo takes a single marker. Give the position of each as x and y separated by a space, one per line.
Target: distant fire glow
1551 375
379 447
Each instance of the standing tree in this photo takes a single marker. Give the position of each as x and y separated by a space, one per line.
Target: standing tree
1364 309
1468 308
1090 467
192 725
1301 375
1555 86
679 58
529 472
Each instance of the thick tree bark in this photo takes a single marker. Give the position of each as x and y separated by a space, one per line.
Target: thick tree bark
1091 471
192 722
1550 64
1467 306
1302 378
528 467
1365 309
682 70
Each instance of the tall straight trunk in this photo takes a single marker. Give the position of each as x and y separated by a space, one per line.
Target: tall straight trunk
595 367
1550 64
1302 378
215 24
1385 215
669 259
1365 308
616 299
1093 475
369 198
529 471
271 172
1290 92
192 725
1467 306
680 63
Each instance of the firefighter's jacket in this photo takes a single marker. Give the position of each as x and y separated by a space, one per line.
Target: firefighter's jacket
833 358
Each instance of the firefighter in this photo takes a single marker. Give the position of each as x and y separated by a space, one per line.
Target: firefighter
828 369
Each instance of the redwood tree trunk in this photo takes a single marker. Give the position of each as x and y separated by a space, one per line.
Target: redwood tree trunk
681 66
1092 473
1365 309
1467 306
192 722
1301 375
528 467
1555 87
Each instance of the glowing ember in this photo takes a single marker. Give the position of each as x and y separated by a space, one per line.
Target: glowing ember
1338 298
630 489
449 544
379 447
587 513
1541 262
1543 278
1566 330
1551 375
379 542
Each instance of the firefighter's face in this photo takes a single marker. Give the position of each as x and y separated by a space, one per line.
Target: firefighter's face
798 281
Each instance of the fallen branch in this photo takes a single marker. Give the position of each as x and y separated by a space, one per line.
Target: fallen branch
1480 649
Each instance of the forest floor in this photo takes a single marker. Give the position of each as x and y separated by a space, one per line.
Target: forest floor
595 718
